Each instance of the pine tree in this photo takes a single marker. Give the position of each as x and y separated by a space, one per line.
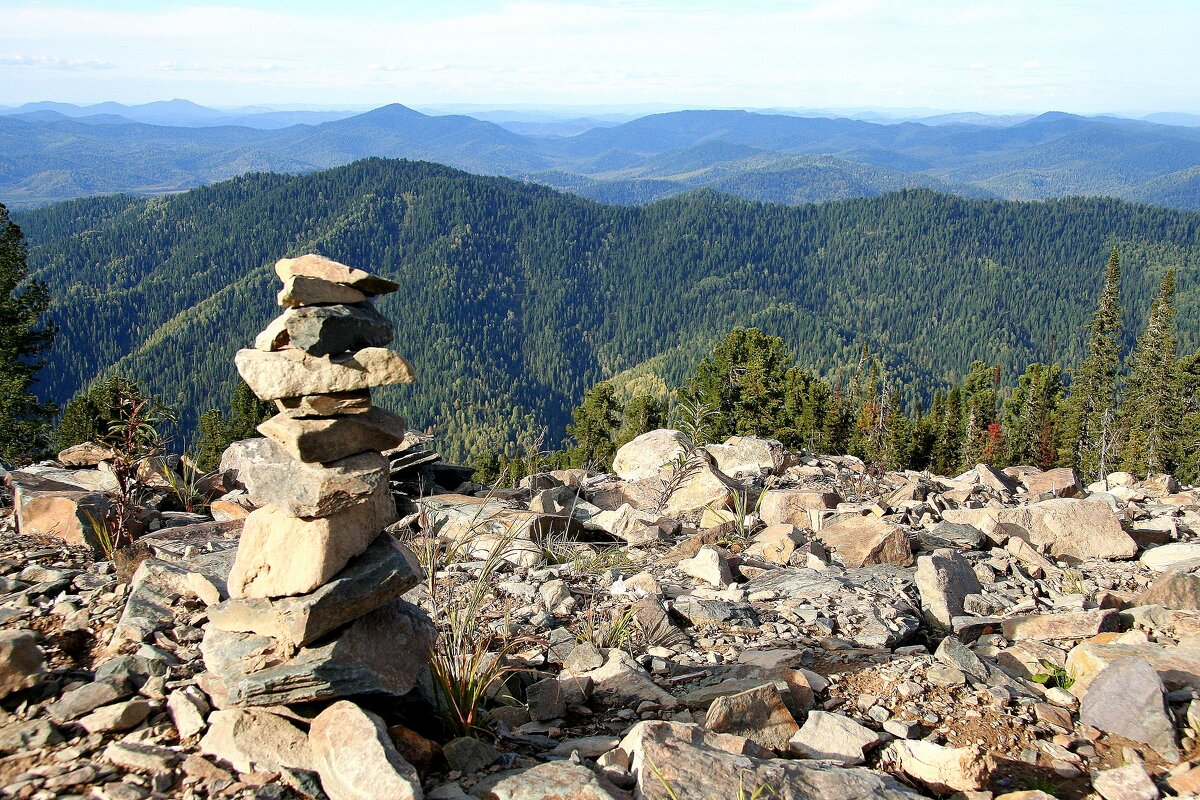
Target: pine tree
744 382
1187 454
595 426
1089 421
1030 415
642 413
979 415
215 432
24 419
1151 411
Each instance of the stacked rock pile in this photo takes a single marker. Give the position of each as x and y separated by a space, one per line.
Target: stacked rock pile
314 609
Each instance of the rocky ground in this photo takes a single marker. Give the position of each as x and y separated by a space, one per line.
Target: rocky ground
742 622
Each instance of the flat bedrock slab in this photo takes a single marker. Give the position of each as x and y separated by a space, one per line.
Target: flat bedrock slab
326 269
280 555
327 440
295 373
380 653
272 477
325 330
383 572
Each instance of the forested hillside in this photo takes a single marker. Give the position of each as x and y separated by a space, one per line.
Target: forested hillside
516 297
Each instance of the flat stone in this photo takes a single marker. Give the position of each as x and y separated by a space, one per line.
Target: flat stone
44 506
356 759
254 741
273 477
1127 699
995 479
188 708
694 762
117 717
325 330
469 755
1072 625
776 543
1130 782
22 663
702 611
554 779
1060 482
142 757
1175 590
833 737
792 506
943 580
84 454
942 770
1067 528
326 269
281 555
299 290
29 734
758 714
294 373
380 653
748 456
383 572
861 541
326 405
327 440
1177 555
87 698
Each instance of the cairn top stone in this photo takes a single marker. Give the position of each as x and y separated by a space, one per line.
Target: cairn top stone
300 290
326 269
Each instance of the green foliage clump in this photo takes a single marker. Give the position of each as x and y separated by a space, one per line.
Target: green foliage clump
215 431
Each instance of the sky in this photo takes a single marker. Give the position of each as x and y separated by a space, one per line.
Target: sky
984 55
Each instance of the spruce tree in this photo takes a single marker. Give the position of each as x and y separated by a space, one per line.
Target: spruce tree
595 427
1089 422
743 381
24 338
979 415
1150 413
1030 414
1187 453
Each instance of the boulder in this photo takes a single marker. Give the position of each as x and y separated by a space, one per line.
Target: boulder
254 741
477 526
995 479
1130 782
327 440
85 454
942 770
326 269
355 757
300 290
792 506
1060 482
1069 625
325 330
326 405
22 663
702 487
676 761
1178 555
66 511
776 543
272 477
1067 528
833 737
1174 590
943 580
758 714
646 455
295 373
554 779
708 566
1127 699
380 653
748 456
383 572
281 555
1177 666
620 682
861 541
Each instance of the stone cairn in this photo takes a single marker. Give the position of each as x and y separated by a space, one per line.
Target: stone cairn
314 609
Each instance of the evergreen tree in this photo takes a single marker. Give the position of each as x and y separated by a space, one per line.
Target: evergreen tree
90 414
643 413
743 381
947 447
595 427
1150 413
24 337
979 394
1187 455
806 406
1089 421
1030 416
215 432
838 422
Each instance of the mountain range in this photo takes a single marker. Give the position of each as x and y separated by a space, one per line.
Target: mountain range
47 155
517 297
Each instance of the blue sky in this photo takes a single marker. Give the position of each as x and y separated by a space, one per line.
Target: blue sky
1002 55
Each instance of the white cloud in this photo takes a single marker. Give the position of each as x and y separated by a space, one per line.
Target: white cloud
54 62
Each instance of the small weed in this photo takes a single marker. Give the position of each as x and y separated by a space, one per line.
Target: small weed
1039 783
616 632
1053 675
